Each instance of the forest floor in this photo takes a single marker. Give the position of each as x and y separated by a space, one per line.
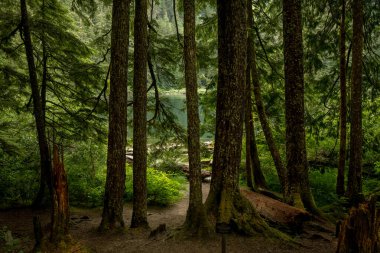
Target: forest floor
84 223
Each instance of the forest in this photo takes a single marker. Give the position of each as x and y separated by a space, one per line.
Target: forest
189 126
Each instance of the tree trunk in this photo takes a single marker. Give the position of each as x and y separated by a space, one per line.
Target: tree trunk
115 182
60 209
247 119
196 220
359 232
252 159
45 161
280 168
294 106
354 185
224 202
139 214
343 104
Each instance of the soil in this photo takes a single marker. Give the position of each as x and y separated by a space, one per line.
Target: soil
84 224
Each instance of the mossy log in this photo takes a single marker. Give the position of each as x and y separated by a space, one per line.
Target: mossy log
276 211
359 233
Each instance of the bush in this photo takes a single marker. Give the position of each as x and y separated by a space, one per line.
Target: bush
85 165
163 189
323 185
19 176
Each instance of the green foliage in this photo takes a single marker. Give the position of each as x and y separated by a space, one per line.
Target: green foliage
163 189
11 244
18 166
322 183
86 169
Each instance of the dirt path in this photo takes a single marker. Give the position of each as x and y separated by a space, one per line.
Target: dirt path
85 222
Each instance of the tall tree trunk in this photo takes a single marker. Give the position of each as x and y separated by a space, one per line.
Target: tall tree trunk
247 119
45 161
343 103
252 159
196 220
139 214
117 134
354 186
60 216
224 202
294 106
280 168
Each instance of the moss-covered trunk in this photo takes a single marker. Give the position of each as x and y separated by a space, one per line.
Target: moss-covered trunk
297 166
139 214
354 184
224 202
117 134
196 220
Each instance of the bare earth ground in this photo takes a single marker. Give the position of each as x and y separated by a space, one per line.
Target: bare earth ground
85 222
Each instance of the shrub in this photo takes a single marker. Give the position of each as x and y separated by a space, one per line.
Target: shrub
163 189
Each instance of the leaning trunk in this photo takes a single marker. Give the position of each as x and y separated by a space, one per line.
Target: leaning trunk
354 185
117 134
224 202
251 146
294 106
196 220
280 168
139 214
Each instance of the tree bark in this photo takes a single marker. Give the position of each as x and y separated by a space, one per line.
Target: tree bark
252 159
139 214
60 216
280 168
294 106
247 119
45 161
196 220
117 134
343 103
359 232
224 202
354 185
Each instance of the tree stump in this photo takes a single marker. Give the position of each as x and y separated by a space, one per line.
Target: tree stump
60 209
359 232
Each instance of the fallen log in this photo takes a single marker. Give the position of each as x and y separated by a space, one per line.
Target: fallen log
204 173
277 212
359 233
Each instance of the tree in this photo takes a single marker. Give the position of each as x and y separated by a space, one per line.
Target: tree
354 185
294 106
139 214
38 111
196 220
343 102
115 182
252 161
224 201
280 168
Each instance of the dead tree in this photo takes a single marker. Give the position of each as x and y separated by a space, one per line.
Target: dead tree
359 232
